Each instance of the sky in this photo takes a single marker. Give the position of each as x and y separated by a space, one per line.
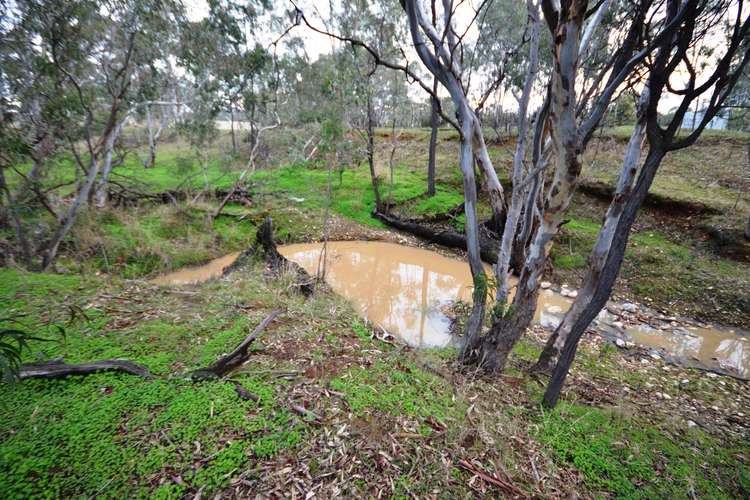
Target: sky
317 44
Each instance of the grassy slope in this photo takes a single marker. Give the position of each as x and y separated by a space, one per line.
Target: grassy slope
397 417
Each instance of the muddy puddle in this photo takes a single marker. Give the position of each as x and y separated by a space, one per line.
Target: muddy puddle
407 291
722 349
197 274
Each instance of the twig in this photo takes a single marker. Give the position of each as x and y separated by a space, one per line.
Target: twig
491 478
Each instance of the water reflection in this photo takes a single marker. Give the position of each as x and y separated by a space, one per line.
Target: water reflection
722 348
407 290
197 274
402 289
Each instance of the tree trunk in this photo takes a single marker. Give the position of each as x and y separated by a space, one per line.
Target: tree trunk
492 352
507 330
479 296
601 282
70 217
489 176
81 197
747 227
101 187
23 242
502 270
231 121
151 142
371 153
606 235
434 121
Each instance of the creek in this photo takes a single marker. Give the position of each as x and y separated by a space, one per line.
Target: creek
409 291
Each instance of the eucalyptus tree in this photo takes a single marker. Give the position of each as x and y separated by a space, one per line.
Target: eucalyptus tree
577 97
439 47
153 89
223 53
571 116
373 23
697 22
71 81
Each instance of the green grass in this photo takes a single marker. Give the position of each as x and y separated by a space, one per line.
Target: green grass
398 387
628 458
574 261
443 201
352 197
623 132
144 241
112 434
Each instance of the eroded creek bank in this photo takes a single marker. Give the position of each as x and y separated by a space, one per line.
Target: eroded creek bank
409 292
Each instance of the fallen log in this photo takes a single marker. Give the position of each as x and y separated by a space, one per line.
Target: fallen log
234 359
488 247
265 248
58 369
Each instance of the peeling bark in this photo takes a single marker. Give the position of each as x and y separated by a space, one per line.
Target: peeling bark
598 257
510 326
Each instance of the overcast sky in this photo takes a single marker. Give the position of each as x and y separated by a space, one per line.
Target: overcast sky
317 44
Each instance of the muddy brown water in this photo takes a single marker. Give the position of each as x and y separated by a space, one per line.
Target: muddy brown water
197 274
407 291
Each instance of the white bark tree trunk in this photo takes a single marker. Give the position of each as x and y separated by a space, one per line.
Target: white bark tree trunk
101 186
502 269
72 213
151 143
598 257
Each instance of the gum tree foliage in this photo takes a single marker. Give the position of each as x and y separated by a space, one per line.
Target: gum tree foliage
228 64
68 75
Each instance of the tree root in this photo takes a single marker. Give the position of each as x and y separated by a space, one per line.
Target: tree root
58 369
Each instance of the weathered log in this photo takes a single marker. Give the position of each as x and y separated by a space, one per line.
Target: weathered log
58 369
236 358
488 247
265 248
